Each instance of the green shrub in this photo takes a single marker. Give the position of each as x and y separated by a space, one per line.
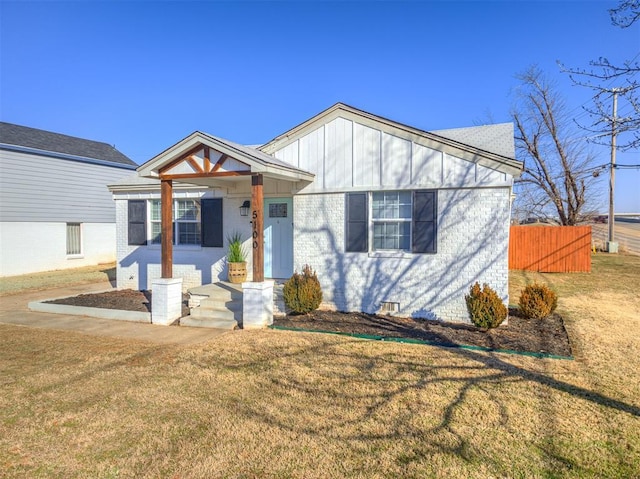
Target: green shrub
485 307
302 292
537 301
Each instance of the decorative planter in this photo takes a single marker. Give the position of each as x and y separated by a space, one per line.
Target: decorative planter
237 272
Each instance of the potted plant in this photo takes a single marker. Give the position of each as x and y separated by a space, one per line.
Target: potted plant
236 259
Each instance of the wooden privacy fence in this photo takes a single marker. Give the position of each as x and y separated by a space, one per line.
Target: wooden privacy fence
550 249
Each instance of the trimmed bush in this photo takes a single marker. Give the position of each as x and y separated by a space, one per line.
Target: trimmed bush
486 309
302 292
537 301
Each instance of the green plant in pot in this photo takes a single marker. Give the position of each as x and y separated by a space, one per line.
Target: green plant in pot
236 259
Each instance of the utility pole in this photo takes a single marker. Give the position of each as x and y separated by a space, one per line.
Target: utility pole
611 246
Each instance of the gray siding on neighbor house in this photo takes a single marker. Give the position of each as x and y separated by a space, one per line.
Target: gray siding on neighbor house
38 188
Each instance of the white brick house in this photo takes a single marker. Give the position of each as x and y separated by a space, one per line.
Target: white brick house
388 215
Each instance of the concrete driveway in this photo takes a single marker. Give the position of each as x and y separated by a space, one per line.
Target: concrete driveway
14 311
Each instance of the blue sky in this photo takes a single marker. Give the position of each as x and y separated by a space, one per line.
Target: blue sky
143 75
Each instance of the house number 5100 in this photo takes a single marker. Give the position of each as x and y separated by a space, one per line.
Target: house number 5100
254 224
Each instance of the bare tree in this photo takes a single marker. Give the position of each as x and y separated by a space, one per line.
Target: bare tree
558 170
625 14
604 78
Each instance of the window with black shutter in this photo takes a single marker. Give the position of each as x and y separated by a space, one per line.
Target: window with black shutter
400 221
137 218
357 223
211 226
425 221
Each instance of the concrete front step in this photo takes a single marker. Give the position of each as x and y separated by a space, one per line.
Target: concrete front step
217 323
224 292
218 312
217 305
231 305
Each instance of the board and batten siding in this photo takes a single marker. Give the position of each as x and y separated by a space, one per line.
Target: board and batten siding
46 189
344 154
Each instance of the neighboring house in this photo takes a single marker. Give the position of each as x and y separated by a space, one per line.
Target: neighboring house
391 217
55 209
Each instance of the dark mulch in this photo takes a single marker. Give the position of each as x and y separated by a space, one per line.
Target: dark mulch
520 334
124 299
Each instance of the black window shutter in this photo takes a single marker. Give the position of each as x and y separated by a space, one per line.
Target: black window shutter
137 215
425 221
211 222
357 224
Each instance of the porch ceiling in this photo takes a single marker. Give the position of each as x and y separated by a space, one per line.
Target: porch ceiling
221 162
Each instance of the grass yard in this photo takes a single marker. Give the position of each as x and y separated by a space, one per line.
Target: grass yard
279 404
66 277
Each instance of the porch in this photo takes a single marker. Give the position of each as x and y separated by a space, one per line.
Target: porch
230 171
220 305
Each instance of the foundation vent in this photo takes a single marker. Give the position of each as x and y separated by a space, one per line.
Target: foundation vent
388 307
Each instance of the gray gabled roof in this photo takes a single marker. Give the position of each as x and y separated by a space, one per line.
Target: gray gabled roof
47 141
497 138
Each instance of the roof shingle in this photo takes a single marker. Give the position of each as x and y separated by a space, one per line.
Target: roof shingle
24 136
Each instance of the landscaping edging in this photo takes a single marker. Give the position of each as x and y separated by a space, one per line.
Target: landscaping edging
426 343
117 314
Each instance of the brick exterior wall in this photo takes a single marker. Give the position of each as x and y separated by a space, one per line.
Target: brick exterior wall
473 239
138 266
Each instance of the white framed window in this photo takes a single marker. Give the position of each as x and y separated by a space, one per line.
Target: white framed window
74 239
186 222
391 220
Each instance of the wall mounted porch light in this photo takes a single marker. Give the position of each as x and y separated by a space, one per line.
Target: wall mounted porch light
244 208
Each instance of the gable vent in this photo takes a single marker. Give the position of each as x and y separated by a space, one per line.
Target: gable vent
388 307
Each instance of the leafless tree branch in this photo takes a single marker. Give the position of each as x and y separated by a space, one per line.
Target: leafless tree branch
558 171
599 77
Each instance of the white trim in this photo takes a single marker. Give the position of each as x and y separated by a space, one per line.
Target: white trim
434 141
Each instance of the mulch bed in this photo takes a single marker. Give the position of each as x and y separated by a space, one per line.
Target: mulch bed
124 299
546 336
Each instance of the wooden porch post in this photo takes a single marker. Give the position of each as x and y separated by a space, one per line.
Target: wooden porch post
166 217
257 217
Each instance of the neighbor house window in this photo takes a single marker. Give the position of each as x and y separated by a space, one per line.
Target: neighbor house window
396 221
186 222
74 239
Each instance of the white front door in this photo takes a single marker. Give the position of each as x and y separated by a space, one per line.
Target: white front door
278 237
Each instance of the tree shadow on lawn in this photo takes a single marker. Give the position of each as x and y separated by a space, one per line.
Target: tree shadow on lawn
481 376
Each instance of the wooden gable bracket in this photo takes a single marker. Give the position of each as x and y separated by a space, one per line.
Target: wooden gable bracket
207 172
182 158
207 159
219 163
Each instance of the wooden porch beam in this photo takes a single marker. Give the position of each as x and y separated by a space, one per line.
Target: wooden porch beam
182 157
207 159
219 163
257 220
194 164
166 225
219 174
